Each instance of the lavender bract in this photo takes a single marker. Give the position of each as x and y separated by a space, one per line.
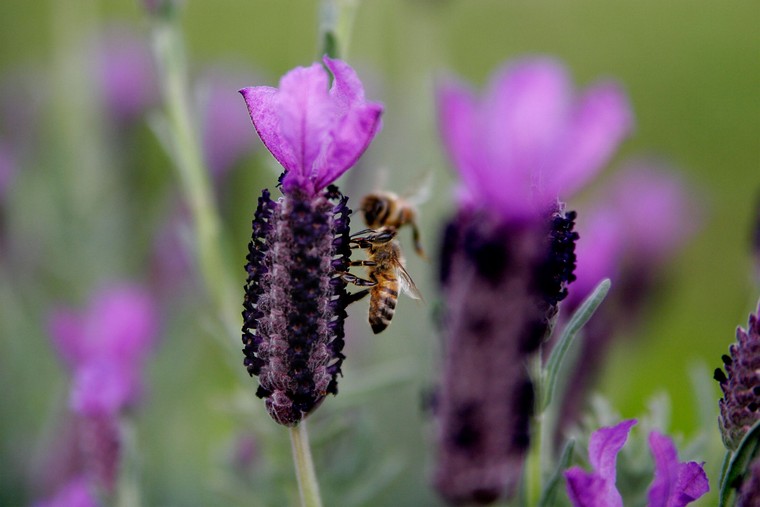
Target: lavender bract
675 484
295 298
508 255
740 405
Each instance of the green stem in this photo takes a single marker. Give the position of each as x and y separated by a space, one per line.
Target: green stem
308 486
183 138
534 465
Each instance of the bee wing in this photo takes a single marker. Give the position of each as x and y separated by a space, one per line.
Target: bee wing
407 284
421 190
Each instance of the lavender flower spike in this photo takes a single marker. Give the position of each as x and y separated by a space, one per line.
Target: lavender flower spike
675 484
508 255
295 298
740 405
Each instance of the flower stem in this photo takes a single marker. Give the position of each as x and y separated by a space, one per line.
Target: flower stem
308 486
534 465
184 146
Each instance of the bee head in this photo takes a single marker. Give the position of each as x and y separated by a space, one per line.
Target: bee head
375 208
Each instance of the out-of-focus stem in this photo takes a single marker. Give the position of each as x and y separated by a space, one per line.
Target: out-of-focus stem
308 486
194 178
336 22
128 487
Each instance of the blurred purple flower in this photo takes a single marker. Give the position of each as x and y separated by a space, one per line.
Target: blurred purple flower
645 215
295 295
526 142
105 347
74 494
508 255
675 484
7 170
740 405
226 127
126 74
314 134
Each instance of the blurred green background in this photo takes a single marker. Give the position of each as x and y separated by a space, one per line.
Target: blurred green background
88 199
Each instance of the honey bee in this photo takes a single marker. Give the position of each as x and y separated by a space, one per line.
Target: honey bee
388 210
385 272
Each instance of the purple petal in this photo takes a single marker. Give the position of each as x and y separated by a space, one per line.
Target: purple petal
355 125
262 102
675 484
527 109
598 254
315 133
604 446
305 118
599 124
122 323
655 207
457 122
74 494
590 490
104 388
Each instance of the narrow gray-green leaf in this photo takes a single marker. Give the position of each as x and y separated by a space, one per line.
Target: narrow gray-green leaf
579 319
740 461
550 490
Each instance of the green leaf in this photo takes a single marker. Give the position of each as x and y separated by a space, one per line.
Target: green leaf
579 319
550 490
740 461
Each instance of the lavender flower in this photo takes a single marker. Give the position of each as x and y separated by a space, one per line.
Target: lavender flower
126 74
226 127
643 217
74 494
740 405
295 298
105 347
7 170
508 255
675 484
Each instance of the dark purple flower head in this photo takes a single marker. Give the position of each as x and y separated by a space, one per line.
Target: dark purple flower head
675 484
295 298
508 255
226 126
740 405
315 133
527 142
105 347
126 74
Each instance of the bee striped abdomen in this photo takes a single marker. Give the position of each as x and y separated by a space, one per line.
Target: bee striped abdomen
382 304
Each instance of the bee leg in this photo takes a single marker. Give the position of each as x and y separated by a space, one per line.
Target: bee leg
363 231
359 282
417 243
356 296
363 263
